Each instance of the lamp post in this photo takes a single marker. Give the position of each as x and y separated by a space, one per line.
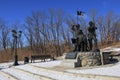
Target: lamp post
16 35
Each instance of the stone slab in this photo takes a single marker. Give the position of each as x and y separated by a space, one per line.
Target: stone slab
71 55
70 63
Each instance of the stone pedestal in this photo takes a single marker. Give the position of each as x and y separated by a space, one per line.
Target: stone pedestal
71 55
89 59
70 63
82 59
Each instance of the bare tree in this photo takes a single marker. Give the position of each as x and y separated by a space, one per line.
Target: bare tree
115 32
110 20
4 38
56 22
93 14
28 32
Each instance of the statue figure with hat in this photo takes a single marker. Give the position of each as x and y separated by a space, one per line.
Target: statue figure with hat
92 36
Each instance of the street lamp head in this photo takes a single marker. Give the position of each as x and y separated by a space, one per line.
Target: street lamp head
14 33
19 33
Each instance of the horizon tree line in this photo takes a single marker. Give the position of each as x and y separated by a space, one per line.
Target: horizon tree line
50 33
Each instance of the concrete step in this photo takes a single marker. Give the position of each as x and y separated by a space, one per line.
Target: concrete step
7 76
79 75
20 74
70 63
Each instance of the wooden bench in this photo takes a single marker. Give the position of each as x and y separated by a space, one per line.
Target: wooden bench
41 57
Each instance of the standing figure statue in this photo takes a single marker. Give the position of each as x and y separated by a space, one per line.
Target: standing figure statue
79 39
92 35
75 29
82 41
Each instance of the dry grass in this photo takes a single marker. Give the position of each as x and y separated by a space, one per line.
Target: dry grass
9 55
115 44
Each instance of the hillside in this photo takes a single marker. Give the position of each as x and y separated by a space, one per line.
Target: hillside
52 70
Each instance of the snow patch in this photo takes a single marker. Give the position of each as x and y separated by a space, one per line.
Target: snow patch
110 71
48 64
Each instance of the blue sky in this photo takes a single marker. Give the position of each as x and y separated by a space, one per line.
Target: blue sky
12 10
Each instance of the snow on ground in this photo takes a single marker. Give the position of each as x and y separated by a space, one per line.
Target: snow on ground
7 65
2 77
20 75
52 74
111 49
31 70
110 71
49 64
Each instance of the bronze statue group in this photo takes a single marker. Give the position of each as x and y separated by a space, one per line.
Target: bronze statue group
82 42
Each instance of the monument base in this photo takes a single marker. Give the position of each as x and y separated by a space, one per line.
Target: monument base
70 63
82 59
